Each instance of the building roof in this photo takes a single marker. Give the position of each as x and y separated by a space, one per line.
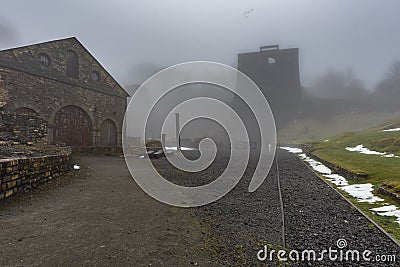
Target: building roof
26 59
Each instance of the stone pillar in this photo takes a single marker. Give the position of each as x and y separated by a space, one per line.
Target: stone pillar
95 138
119 138
50 132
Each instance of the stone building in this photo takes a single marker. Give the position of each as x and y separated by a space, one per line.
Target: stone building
62 83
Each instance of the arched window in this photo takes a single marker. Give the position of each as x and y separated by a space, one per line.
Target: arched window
95 76
44 59
72 65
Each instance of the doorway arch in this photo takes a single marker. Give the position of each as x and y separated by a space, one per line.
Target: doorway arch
108 133
72 126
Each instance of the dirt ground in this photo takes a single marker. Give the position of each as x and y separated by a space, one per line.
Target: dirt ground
97 216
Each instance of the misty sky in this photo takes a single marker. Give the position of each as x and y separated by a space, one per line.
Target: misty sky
133 38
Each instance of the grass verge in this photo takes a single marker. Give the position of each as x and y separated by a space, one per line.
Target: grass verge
382 171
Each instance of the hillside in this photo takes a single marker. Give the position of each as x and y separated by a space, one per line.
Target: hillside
375 151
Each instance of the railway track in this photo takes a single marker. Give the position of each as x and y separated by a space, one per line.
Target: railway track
355 207
319 216
294 209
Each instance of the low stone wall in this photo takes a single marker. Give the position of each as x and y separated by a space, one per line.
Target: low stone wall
386 192
341 171
23 173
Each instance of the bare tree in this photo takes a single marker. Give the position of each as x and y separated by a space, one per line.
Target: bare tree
339 85
389 88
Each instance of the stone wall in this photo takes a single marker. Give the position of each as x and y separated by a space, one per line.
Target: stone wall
46 97
22 128
46 89
24 173
387 192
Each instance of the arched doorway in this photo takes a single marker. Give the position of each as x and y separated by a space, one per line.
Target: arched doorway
108 133
72 126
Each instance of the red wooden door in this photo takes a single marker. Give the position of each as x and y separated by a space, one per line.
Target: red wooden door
72 126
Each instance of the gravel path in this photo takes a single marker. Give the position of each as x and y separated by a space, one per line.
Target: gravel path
316 217
99 216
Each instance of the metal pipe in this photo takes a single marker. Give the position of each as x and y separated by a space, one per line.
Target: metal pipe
177 129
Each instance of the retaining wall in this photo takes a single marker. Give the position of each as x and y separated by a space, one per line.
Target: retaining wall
23 173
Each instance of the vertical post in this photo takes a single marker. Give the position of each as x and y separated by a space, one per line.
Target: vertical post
163 141
177 128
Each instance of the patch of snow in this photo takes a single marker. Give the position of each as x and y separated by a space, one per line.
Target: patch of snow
303 156
390 210
391 130
337 179
362 192
385 208
315 165
318 166
292 149
363 150
391 156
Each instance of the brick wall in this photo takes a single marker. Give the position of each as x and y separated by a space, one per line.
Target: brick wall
23 173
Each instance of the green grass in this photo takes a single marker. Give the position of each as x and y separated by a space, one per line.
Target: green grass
381 171
320 129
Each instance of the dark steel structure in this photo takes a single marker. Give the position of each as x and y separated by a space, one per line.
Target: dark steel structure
276 73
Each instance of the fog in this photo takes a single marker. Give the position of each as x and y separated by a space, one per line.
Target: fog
9 34
348 50
132 39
